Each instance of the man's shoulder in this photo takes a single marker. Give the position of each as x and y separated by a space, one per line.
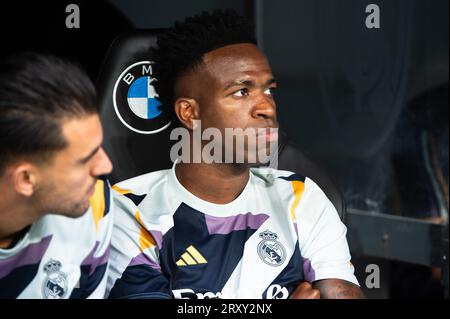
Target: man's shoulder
295 180
142 184
270 174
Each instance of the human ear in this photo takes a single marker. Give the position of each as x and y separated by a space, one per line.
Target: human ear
24 178
187 110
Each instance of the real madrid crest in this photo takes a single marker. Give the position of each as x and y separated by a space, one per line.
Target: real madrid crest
270 250
136 102
55 283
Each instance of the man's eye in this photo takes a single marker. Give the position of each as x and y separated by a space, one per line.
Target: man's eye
269 91
241 92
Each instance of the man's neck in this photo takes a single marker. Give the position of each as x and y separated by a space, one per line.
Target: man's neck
14 222
215 183
11 241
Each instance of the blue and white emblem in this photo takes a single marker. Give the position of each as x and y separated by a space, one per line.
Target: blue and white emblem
55 283
142 98
270 250
136 102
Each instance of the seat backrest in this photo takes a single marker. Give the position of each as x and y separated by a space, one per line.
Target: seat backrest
137 135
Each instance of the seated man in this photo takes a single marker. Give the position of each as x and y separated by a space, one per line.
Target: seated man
218 229
55 214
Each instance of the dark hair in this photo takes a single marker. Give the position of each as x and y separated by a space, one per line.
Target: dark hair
181 48
37 91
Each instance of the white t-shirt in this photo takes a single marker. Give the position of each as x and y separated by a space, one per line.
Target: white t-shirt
61 257
280 231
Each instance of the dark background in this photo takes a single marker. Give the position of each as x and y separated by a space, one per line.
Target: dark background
360 101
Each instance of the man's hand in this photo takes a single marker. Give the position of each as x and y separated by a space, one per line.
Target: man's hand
338 289
305 291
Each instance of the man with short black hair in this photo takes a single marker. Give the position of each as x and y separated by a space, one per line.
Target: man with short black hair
55 212
221 229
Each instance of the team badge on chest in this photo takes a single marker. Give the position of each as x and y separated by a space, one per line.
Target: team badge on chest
55 282
270 249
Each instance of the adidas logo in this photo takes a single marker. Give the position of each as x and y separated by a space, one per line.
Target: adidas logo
191 257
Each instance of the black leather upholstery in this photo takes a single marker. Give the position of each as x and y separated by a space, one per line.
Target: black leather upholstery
133 154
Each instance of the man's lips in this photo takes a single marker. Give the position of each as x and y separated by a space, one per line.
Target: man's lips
272 135
269 133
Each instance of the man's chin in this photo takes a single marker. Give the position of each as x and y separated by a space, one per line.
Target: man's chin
81 210
76 211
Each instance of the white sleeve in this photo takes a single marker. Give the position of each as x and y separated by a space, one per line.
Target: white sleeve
322 238
134 264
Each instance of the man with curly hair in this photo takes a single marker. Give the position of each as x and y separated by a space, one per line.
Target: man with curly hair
224 229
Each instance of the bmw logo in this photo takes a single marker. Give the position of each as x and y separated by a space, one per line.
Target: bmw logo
136 102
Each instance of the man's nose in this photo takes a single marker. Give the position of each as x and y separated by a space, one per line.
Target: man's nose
102 165
264 108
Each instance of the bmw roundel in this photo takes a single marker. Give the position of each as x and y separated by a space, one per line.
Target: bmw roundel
136 102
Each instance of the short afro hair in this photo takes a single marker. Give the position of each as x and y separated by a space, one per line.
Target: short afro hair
182 47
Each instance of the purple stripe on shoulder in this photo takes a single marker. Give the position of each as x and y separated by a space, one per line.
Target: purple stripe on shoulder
93 261
157 236
226 225
32 254
295 228
143 259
